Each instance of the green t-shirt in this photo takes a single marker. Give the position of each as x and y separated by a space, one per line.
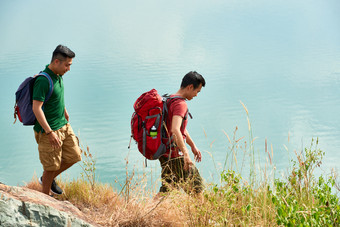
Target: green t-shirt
54 108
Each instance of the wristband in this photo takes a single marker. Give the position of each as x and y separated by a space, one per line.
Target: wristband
49 132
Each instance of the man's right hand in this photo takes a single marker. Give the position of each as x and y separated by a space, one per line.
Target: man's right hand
54 140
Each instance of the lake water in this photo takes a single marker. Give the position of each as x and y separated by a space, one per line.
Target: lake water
280 58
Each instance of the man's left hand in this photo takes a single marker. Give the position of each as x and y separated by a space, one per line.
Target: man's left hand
197 154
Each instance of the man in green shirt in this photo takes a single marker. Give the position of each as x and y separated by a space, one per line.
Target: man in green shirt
58 146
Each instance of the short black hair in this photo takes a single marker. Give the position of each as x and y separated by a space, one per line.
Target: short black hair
193 78
62 52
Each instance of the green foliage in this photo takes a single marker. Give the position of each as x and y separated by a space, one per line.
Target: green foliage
228 202
299 200
304 200
230 186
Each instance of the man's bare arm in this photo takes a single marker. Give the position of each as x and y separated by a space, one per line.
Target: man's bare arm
176 131
39 114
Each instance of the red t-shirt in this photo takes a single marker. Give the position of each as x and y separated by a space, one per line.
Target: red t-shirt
177 107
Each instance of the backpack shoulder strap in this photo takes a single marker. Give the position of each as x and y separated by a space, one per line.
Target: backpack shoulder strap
51 86
168 100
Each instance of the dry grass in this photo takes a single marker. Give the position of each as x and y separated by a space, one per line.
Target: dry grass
225 208
104 206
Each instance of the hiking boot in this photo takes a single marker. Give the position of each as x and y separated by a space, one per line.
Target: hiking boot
54 187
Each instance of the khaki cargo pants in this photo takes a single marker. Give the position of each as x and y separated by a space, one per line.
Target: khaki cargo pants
173 175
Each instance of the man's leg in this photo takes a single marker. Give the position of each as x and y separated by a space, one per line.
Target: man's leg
193 181
64 166
47 179
164 176
172 172
50 158
71 152
48 176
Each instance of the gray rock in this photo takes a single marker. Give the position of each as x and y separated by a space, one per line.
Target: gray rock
25 207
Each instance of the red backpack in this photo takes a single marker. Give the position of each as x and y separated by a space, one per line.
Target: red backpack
148 125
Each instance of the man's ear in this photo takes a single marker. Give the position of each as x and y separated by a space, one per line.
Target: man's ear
190 87
56 61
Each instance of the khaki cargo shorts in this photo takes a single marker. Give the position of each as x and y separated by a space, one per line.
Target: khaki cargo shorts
69 152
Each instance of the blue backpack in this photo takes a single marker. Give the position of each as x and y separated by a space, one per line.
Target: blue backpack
23 99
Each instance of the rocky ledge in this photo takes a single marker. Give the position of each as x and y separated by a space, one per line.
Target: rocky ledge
20 206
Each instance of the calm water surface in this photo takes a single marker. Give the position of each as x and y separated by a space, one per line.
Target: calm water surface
281 59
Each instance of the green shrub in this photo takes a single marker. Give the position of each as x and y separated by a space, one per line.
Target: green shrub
303 200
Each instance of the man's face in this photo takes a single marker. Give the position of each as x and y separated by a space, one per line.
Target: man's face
63 66
193 92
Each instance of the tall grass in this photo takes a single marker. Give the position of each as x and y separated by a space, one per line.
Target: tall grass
300 199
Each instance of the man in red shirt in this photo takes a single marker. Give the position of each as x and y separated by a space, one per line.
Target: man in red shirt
179 168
